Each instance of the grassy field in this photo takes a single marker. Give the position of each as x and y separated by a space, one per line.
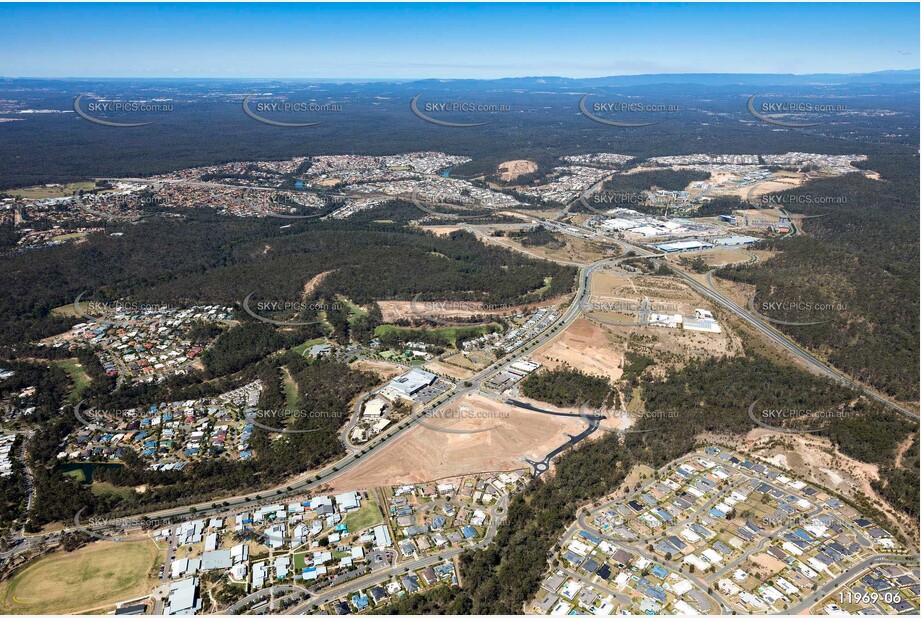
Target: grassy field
95 576
68 310
78 475
298 561
367 515
41 191
448 334
355 311
305 347
290 387
108 489
78 375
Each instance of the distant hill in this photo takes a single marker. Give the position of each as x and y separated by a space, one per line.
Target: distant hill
702 79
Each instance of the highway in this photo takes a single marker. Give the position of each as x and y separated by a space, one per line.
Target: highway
709 291
789 345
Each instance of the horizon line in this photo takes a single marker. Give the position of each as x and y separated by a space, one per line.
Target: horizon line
405 79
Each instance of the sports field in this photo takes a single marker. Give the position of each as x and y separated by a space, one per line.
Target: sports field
91 577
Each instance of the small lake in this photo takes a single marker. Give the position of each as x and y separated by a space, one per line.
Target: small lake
86 468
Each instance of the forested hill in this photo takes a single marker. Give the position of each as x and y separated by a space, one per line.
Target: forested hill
206 258
860 259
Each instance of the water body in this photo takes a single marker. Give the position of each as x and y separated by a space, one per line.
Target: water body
447 173
86 469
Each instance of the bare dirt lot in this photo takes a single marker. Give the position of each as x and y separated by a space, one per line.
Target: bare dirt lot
383 369
449 369
424 454
510 170
585 346
574 250
440 230
393 310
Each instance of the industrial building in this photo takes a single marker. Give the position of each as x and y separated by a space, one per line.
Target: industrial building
375 407
183 598
408 384
683 245
382 538
707 325
736 240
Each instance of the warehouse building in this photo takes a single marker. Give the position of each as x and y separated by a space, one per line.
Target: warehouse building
736 240
683 245
412 382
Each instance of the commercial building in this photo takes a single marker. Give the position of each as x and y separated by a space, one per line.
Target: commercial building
375 407
736 240
382 537
683 245
183 598
412 382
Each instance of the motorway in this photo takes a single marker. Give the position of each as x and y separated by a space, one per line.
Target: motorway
777 337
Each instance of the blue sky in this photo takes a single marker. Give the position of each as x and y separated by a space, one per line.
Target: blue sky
452 40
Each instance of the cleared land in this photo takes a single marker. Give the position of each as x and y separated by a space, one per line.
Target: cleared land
574 250
510 170
441 230
450 370
424 454
393 310
42 191
96 575
448 334
665 295
382 369
77 375
314 282
585 346
305 347
724 257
